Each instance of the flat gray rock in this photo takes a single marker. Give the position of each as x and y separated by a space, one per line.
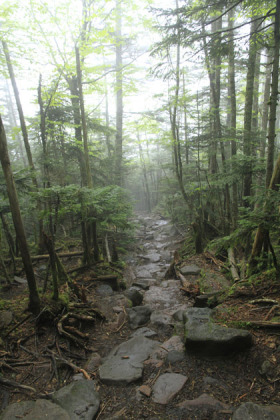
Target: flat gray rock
161 298
79 399
204 337
120 371
35 410
125 363
161 318
139 315
251 411
167 386
190 270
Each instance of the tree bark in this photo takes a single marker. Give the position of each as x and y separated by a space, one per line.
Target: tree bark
119 99
247 146
34 300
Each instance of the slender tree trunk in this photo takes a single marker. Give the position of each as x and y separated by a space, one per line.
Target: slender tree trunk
24 135
265 107
93 227
119 93
273 98
232 119
247 146
34 300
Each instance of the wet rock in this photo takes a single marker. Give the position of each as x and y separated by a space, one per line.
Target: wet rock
251 411
125 363
134 296
204 401
32 410
139 315
167 386
190 270
171 283
6 318
204 337
104 290
79 399
145 331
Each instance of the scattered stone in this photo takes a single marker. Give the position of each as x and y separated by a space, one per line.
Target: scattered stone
171 283
93 362
32 410
145 390
190 270
79 399
134 296
139 315
253 411
145 331
104 290
266 368
205 401
167 386
6 318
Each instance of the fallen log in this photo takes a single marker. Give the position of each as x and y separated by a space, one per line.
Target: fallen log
46 256
264 324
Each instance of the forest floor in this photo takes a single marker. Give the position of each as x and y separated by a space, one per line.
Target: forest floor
37 360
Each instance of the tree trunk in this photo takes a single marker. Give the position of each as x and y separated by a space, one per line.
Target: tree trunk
273 98
34 300
119 99
232 119
24 135
247 146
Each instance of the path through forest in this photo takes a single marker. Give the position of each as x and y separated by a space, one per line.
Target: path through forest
159 354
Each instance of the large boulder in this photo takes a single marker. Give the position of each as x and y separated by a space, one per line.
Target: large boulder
204 337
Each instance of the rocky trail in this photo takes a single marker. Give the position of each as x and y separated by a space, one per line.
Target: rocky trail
160 354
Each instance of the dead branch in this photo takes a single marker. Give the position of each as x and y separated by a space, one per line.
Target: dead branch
15 384
68 363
